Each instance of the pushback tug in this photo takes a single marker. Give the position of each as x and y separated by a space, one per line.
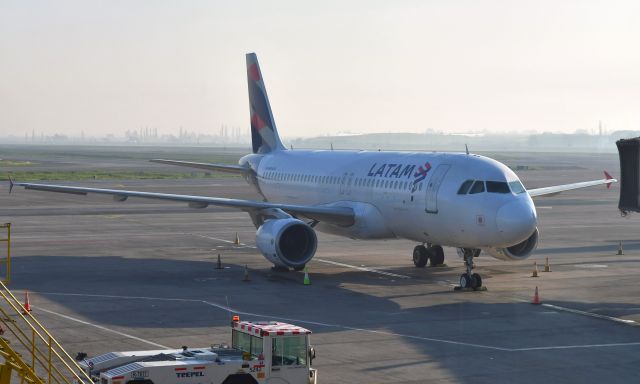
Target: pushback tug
260 352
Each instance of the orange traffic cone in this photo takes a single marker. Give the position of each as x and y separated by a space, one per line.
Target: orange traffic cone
27 304
536 298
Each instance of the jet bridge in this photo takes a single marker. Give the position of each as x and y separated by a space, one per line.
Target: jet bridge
629 151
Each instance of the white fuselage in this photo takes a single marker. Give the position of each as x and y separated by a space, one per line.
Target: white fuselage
410 195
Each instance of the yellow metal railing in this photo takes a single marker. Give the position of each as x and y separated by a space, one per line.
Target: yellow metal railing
30 351
7 260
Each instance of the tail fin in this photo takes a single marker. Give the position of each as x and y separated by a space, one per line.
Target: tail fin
264 134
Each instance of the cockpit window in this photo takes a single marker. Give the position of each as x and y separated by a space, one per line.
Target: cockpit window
517 187
478 187
498 187
464 188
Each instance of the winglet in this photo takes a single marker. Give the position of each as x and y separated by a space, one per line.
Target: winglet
608 177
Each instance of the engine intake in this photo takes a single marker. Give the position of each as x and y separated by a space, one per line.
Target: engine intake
519 251
287 242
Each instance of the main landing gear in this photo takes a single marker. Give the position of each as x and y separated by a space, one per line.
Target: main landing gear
469 280
422 255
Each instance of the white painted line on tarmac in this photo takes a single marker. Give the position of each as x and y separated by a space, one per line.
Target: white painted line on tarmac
366 269
590 314
348 328
560 347
583 313
345 327
118 296
128 336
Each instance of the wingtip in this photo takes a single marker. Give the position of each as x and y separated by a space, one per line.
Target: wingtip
609 177
11 183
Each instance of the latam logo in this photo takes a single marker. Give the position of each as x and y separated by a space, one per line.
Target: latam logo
422 171
398 171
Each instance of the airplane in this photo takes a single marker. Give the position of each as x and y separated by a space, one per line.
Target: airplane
470 202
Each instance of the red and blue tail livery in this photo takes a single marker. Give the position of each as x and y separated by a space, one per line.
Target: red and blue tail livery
264 135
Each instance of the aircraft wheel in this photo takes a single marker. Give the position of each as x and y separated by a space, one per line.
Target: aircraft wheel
438 255
476 281
420 256
465 281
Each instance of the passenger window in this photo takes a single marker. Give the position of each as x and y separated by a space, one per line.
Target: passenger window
464 188
478 187
498 187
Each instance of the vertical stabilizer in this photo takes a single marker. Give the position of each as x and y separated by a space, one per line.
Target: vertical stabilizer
264 135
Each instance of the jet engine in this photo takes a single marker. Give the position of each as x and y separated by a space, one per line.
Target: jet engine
519 251
287 242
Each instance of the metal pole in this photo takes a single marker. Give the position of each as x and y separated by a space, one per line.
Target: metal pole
33 350
49 369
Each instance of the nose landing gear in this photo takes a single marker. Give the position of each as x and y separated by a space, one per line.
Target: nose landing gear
469 280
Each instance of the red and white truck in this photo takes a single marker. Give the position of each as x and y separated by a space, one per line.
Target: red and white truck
260 352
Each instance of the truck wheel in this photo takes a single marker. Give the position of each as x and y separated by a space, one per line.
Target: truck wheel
240 378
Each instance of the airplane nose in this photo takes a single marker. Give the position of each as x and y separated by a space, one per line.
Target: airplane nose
516 221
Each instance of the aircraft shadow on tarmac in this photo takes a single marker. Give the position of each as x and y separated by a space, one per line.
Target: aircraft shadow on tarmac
471 340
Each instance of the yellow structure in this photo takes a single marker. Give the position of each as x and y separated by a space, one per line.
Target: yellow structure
31 354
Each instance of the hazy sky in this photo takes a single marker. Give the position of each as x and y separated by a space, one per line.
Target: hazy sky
329 66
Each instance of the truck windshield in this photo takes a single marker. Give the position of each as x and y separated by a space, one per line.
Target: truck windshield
246 343
289 351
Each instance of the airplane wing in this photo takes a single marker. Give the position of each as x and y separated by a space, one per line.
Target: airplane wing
554 190
330 214
209 166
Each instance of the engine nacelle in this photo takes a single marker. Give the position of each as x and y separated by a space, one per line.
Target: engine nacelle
287 242
519 251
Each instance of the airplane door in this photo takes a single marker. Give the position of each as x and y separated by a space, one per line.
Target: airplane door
345 183
431 205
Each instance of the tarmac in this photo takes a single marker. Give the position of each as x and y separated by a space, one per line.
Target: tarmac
106 276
